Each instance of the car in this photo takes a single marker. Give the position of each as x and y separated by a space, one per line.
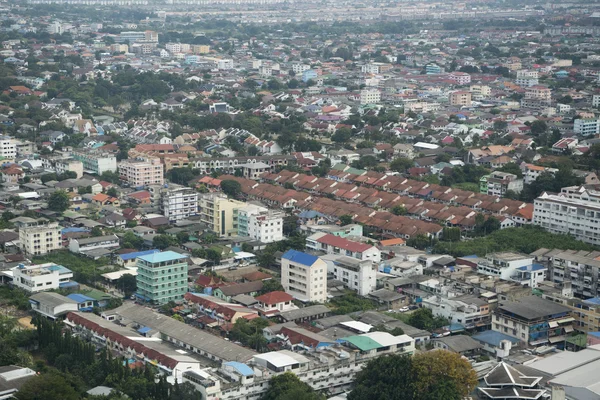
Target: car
413 307
403 309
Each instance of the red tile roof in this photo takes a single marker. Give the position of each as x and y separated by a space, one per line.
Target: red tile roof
274 297
345 244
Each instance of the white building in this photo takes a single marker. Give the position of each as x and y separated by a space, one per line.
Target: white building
260 223
370 96
8 147
575 211
38 278
96 162
532 172
40 239
460 78
331 244
480 92
505 265
357 275
87 244
299 68
587 127
304 276
466 310
178 202
225 63
596 99
527 78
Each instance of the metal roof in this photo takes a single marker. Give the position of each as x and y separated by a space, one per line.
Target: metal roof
533 307
162 257
300 257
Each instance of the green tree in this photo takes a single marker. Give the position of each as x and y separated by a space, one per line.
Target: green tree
342 135
48 386
112 192
346 220
288 386
443 373
401 164
231 188
538 127
423 319
161 242
59 201
399 210
511 168
386 377
177 317
127 284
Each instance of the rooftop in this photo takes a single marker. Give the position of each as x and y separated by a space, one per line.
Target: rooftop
533 307
162 257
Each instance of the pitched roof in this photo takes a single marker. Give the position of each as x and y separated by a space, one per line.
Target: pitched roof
275 297
241 288
342 243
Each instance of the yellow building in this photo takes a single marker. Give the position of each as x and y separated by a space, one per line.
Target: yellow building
200 48
220 213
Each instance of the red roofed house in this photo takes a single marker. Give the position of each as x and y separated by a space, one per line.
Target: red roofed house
275 302
104 199
11 174
332 244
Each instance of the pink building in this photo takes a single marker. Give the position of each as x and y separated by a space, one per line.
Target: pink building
142 171
461 78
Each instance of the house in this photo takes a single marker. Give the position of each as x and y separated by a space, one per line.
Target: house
275 302
461 344
228 292
103 200
107 242
13 377
332 244
52 305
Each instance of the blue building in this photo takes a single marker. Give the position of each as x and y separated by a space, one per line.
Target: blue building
309 74
433 69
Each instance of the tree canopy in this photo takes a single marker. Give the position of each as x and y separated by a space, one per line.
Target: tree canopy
287 386
59 201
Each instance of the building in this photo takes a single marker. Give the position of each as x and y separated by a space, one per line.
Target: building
40 239
12 377
162 277
375 68
527 78
596 100
433 69
331 244
539 92
499 183
512 267
532 172
260 223
370 96
534 321
85 245
52 305
96 162
178 202
460 78
479 92
304 276
505 382
220 213
578 270
586 127
141 171
299 68
275 302
468 310
357 275
460 98
461 344
41 277
8 147
574 211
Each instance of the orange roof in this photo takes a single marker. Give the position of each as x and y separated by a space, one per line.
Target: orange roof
526 212
100 197
392 242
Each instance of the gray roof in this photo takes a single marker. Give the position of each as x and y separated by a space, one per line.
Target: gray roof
460 343
334 320
52 299
386 295
305 312
97 239
533 307
194 337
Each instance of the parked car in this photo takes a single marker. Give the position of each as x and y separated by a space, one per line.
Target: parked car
403 309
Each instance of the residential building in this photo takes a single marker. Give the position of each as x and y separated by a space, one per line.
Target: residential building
375 68
596 100
141 171
461 344
162 277
357 275
331 244
534 321
96 162
467 310
85 245
577 271
499 183
275 302
299 68
539 92
220 213
178 202
260 223
460 98
41 277
532 172
304 276
527 78
479 92
12 378
513 267
63 165
433 69
370 96
40 239
52 305
8 147
460 78
586 127
585 311
574 211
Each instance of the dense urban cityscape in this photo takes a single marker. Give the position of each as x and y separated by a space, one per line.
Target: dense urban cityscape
275 200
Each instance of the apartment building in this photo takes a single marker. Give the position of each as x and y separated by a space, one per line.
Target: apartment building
532 172
576 270
514 267
299 68
141 172
370 96
260 223
178 202
304 276
8 147
586 126
200 48
162 277
460 78
375 68
41 277
479 92
63 165
357 275
574 211
586 312
96 162
331 244
539 92
40 239
460 98
527 78
467 310
596 100
220 214
228 165
498 183
534 321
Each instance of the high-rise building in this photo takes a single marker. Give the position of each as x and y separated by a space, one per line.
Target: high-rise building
162 277
220 213
260 223
40 239
178 202
142 171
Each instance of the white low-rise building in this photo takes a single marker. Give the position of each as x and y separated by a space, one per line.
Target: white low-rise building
331 244
260 223
357 275
42 277
87 244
